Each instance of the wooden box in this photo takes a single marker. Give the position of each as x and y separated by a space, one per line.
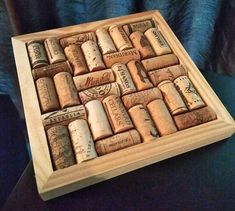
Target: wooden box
52 183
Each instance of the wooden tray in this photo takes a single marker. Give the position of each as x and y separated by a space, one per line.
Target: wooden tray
55 183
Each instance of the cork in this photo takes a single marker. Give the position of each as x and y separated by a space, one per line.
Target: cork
142 97
47 94
141 43
138 74
160 62
98 120
161 117
140 26
66 90
76 59
92 55
60 146
195 117
64 116
77 39
37 54
117 114
54 51
120 38
143 123
157 41
172 98
105 42
123 78
51 70
190 95
93 79
121 57
117 142
82 141
167 73
99 92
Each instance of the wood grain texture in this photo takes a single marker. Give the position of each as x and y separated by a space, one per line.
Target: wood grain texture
52 184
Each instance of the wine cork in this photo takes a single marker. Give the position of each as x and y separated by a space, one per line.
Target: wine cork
160 62
117 114
98 120
64 116
60 146
141 43
92 55
188 92
99 92
121 57
51 70
76 59
161 117
172 98
93 79
120 38
143 97
82 141
167 73
77 39
138 74
141 26
66 90
117 142
123 78
105 41
157 41
54 51
47 95
37 54
195 117
143 123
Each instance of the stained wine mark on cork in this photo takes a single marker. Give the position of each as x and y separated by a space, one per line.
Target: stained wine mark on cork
66 90
143 97
76 59
92 55
82 140
99 92
117 142
161 117
123 78
120 38
167 73
51 70
194 118
138 74
160 62
54 51
172 98
117 114
47 94
121 57
98 120
37 54
77 39
60 146
141 43
143 123
157 41
105 41
64 116
190 95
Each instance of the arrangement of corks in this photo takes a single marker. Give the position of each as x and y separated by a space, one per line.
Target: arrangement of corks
105 90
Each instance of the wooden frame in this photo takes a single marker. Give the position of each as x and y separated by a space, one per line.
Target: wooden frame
55 183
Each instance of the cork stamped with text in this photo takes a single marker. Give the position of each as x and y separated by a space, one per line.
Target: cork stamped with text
109 97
